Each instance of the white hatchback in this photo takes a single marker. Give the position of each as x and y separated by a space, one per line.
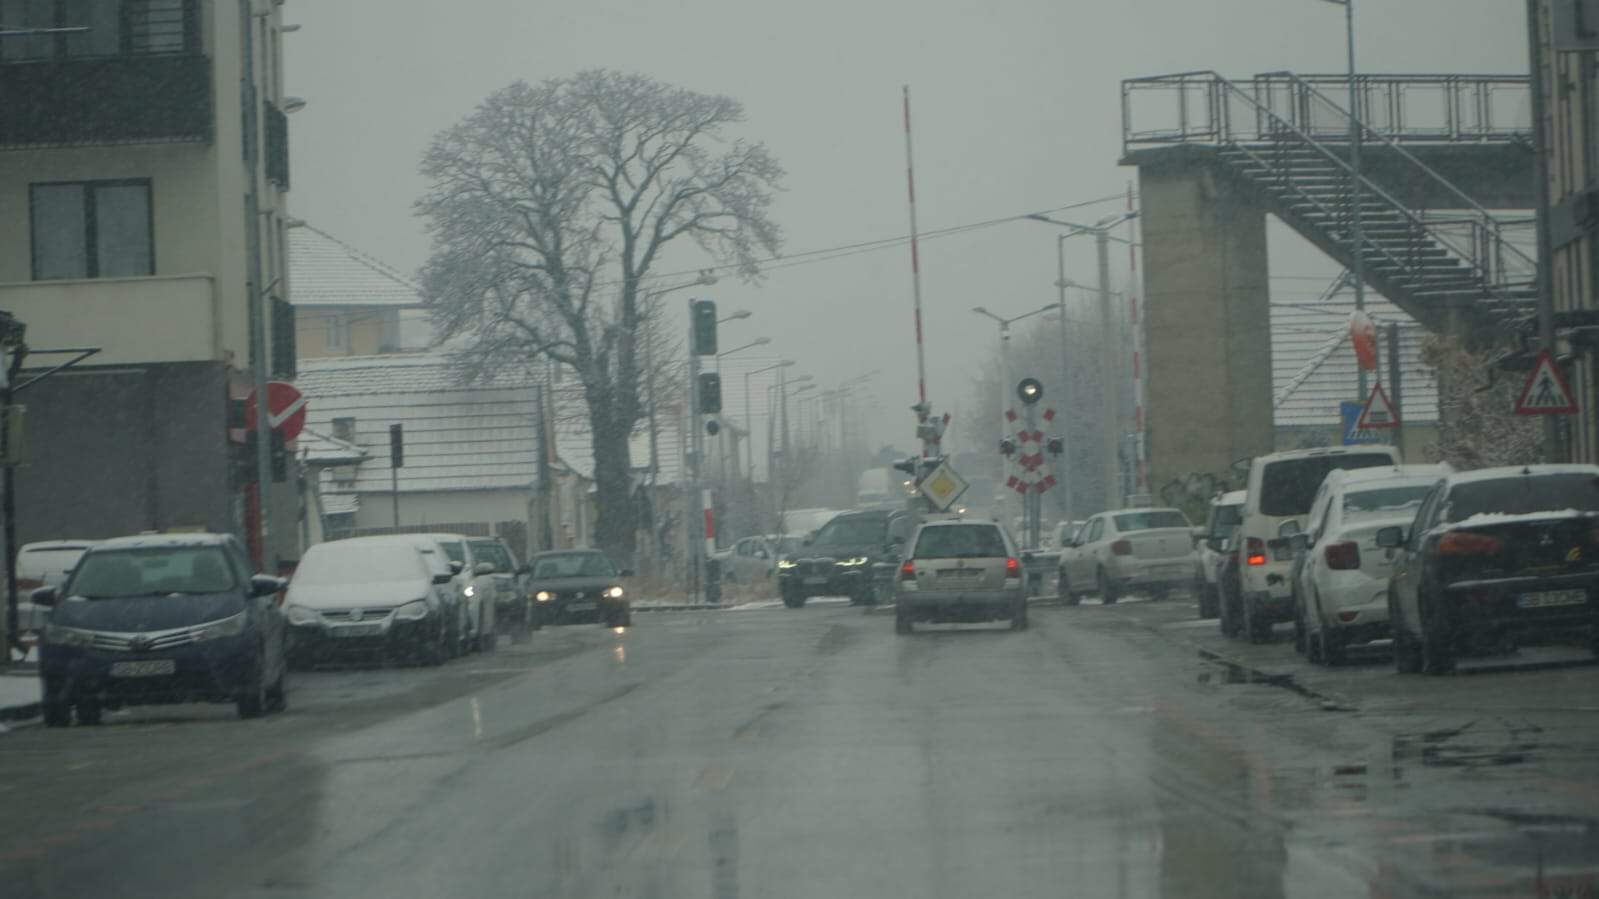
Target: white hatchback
1343 582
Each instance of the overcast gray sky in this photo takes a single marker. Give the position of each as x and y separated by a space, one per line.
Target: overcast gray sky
1017 108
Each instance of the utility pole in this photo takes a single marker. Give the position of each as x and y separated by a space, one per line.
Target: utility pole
693 500
257 295
1065 376
1109 361
1396 385
1553 446
541 413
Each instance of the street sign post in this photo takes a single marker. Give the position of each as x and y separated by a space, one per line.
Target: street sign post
1349 411
1546 392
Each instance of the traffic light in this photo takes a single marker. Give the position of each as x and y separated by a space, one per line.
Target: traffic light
907 465
710 393
1030 390
1007 446
396 446
1055 446
713 427
704 314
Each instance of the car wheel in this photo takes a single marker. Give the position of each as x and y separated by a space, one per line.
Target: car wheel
1209 600
1018 616
1108 594
1332 645
252 698
794 600
1301 645
277 695
902 622
1407 655
1437 655
88 712
1256 625
1227 616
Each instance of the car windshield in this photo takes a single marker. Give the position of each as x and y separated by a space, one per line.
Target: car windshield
455 550
966 541
573 565
359 562
493 552
1382 501
1288 486
1224 519
1524 495
152 571
853 532
1155 518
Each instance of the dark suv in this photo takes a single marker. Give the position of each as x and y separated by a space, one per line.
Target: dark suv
856 555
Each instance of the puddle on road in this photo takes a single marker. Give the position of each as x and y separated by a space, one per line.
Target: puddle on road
1217 669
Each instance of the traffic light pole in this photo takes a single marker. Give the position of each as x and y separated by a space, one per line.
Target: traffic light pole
1032 506
693 501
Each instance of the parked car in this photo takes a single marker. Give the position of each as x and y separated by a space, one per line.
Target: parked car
960 571
856 555
513 604
580 585
1226 511
162 618
1229 590
371 595
1068 536
43 564
477 589
1282 487
452 591
1340 579
1131 549
1494 556
750 560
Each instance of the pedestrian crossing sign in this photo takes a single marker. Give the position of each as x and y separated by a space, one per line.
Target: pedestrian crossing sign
1349 413
1546 391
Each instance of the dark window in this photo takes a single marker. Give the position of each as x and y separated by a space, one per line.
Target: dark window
1288 487
853 532
1096 529
344 429
91 229
1143 521
113 28
574 565
1524 495
1224 518
156 571
973 541
1385 500
490 551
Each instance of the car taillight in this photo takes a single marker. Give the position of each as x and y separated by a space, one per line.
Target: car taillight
1013 568
1257 551
907 571
1466 543
1122 548
1343 556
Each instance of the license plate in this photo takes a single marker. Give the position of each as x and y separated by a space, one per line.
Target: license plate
580 607
358 630
815 581
144 668
959 572
1552 598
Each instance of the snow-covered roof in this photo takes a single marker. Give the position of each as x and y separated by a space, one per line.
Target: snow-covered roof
1516 471
326 271
317 448
1313 362
458 435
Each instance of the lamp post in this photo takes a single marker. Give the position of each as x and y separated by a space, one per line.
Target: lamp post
1109 360
721 437
1356 226
749 420
1006 376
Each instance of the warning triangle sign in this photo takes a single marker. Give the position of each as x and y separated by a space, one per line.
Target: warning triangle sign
1379 412
1546 391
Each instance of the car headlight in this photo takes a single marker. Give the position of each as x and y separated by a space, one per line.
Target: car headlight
302 616
415 610
471 591
855 562
67 636
614 593
543 596
786 564
231 626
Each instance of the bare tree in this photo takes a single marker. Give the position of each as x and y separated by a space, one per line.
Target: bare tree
549 206
1477 425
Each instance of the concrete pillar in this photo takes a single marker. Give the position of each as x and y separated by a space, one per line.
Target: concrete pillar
1208 323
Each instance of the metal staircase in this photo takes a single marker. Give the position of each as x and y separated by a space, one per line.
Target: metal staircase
1285 139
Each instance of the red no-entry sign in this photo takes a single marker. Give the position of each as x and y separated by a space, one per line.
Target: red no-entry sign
285 409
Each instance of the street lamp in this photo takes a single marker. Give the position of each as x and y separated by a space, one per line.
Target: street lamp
749 419
742 313
759 341
1356 225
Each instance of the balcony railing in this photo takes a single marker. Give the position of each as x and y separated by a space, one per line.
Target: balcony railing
132 320
141 98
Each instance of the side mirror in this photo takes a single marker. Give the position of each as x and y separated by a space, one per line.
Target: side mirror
44 596
1226 545
266 585
626 572
484 568
1289 528
1299 542
443 577
1391 537
457 568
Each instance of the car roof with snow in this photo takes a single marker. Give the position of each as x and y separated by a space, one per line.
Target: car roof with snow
152 541
1349 477
1514 471
1232 498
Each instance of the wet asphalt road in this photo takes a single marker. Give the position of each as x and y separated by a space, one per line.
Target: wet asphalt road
1113 752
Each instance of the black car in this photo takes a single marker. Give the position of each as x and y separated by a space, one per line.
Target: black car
1494 556
856 554
162 619
579 585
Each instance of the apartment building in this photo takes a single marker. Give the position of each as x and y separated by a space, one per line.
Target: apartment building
128 134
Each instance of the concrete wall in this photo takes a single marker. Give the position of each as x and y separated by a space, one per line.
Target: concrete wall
115 451
1208 323
443 506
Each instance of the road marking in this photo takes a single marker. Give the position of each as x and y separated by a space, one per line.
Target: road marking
477 720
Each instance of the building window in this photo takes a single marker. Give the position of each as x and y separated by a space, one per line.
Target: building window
344 429
337 336
114 28
91 229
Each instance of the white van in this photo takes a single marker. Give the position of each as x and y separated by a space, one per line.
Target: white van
1282 488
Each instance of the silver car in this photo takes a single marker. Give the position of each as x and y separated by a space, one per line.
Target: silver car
960 571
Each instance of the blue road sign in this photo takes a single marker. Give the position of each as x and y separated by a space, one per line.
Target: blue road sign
1350 413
